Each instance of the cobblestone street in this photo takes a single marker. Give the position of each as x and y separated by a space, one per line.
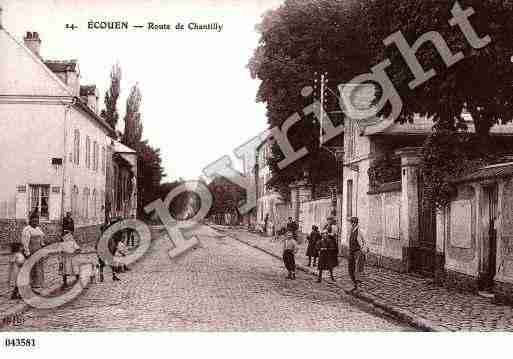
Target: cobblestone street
222 285
436 307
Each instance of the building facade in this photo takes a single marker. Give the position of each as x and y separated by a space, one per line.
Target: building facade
475 233
382 186
272 211
55 146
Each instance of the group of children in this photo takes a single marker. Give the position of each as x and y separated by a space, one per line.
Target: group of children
322 248
67 263
322 251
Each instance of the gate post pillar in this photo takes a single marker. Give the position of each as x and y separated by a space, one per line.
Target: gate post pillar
410 160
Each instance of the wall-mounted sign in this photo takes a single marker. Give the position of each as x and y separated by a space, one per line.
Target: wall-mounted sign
57 161
461 224
56 189
22 189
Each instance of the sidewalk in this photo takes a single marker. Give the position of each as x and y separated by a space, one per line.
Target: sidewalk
413 299
53 280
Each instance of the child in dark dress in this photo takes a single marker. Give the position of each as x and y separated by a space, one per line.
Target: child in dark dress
328 255
312 251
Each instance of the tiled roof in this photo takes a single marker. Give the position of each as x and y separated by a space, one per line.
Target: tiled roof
121 148
61 65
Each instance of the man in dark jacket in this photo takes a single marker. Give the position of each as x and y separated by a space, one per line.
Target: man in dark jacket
356 249
68 224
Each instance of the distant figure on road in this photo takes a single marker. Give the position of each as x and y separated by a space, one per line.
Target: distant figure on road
328 255
356 249
292 227
312 251
289 251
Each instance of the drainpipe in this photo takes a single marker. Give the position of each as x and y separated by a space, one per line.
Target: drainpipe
67 117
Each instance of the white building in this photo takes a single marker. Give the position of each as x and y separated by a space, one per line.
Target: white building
382 186
54 144
270 203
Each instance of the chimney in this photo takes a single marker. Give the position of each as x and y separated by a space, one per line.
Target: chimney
90 95
33 42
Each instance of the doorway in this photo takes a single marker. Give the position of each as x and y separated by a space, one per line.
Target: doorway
489 235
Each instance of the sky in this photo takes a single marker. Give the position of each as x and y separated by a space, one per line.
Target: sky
198 97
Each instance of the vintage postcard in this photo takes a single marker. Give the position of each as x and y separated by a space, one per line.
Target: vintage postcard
305 166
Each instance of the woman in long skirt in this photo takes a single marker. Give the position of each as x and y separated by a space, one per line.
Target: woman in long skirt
32 238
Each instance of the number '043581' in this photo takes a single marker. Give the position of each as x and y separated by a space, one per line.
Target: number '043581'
20 342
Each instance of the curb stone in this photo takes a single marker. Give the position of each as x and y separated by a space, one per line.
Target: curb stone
397 313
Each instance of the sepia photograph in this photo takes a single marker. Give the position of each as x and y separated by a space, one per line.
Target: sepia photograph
325 174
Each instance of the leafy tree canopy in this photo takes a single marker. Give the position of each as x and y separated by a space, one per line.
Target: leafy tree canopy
297 40
480 83
110 113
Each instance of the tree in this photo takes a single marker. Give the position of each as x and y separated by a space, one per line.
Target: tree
297 40
110 113
480 83
149 174
133 124
227 196
185 205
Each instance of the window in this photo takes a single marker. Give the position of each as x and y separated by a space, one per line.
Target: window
349 198
39 200
352 129
74 202
103 159
94 205
102 203
76 148
88 152
85 203
95 156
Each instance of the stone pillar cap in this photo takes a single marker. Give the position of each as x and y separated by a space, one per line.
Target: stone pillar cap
410 156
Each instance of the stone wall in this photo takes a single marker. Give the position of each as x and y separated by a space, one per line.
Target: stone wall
10 232
315 213
461 228
384 230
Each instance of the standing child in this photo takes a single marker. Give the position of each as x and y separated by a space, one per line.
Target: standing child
67 266
289 251
312 250
327 255
121 251
16 262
